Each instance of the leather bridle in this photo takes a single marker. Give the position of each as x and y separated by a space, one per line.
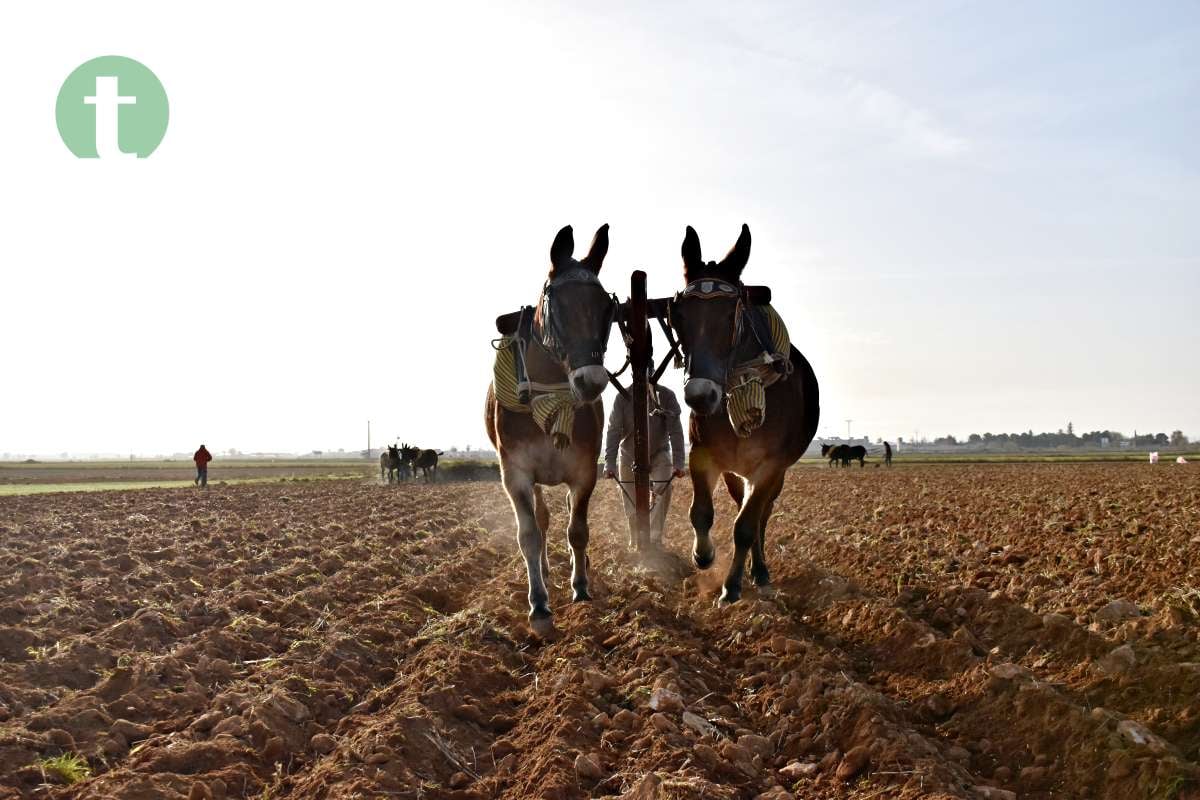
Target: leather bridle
711 289
549 332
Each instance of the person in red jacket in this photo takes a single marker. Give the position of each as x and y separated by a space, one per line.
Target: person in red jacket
202 458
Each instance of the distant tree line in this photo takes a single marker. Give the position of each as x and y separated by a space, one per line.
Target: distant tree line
1068 438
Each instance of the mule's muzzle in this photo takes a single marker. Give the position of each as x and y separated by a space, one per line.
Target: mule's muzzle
588 382
702 396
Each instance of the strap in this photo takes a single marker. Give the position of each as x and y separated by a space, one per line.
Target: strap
672 353
621 390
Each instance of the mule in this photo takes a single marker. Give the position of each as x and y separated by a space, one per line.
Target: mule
710 325
426 461
853 453
841 455
833 452
408 455
566 346
390 463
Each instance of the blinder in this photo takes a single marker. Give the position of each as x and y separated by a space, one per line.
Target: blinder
711 289
570 350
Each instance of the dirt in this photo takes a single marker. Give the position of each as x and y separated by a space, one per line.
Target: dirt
935 632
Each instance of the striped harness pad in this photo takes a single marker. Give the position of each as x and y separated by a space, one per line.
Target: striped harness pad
552 404
746 387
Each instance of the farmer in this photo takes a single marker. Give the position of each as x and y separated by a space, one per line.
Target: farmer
887 454
202 457
666 453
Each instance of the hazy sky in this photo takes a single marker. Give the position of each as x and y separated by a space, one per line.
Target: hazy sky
974 216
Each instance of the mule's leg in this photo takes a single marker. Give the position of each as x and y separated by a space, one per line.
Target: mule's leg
746 531
542 513
736 487
704 479
758 555
577 537
529 537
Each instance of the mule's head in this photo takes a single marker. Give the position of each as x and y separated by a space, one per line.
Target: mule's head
825 448
393 451
707 319
575 314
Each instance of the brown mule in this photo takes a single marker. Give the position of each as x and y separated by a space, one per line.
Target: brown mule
568 339
714 336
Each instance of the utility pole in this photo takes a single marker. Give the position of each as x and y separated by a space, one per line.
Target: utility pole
368 438
848 428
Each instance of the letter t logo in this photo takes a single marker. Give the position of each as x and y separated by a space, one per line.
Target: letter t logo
107 99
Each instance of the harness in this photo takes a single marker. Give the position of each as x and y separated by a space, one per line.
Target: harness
551 404
745 382
552 338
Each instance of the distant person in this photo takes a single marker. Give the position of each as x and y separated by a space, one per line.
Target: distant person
666 454
202 457
887 454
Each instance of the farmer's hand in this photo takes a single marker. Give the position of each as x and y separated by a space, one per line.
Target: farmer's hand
608 473
681 473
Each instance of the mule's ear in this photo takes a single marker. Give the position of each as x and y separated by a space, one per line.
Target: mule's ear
732 265
562 249
692 262
594 260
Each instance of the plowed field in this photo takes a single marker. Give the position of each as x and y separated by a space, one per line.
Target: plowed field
938 631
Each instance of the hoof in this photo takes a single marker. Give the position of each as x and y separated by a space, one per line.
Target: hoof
581 596
728 598
703 560
762 580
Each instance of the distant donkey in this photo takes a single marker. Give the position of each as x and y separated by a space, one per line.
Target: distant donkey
856 453
833 452
390 464
424 460
725 374
843 454
552 435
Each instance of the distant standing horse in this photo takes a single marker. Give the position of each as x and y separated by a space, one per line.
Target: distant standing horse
565 351
709 319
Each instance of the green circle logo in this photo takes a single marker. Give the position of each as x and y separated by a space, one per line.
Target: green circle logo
111 107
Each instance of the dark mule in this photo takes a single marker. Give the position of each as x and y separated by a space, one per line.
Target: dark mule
833 452
714 336
856 453
390 463
426 461
566 347
407 456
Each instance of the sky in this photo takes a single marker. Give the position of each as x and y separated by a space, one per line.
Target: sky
974 216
